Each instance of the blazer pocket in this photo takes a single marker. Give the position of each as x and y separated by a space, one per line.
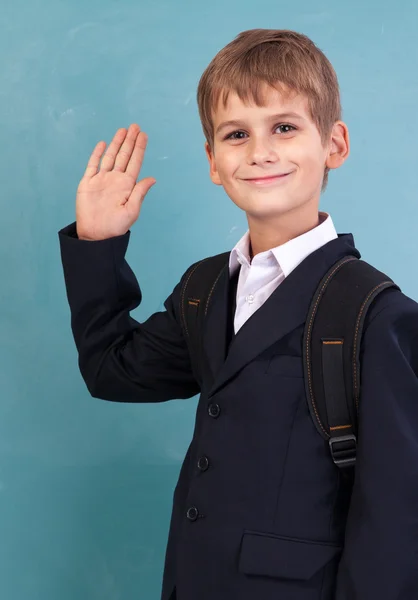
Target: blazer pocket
283 557
286 366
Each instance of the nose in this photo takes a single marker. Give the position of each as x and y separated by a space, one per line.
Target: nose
261 151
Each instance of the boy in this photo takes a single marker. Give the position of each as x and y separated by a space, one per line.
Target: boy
260 510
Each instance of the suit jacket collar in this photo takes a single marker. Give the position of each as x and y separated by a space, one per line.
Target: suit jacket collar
282 312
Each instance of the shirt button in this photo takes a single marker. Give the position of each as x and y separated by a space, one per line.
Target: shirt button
250 298
192 513
203 463
214 410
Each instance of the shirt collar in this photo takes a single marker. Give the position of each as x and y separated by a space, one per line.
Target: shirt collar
288 255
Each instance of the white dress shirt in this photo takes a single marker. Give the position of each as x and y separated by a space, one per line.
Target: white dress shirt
259 278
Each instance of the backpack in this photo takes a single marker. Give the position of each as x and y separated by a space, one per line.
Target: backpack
331 341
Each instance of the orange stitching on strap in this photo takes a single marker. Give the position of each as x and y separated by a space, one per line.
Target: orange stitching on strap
308 339
328 343
340 427
213 287
356 397
184 292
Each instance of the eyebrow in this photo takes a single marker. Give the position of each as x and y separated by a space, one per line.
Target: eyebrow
238 123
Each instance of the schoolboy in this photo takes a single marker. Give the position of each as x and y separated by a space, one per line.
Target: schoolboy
260 510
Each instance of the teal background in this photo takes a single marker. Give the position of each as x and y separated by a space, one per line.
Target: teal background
85 485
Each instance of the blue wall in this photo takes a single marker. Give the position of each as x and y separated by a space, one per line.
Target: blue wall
85 485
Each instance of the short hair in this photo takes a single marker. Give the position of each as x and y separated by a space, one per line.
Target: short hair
283 59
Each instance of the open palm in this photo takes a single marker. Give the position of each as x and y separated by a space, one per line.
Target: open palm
109 198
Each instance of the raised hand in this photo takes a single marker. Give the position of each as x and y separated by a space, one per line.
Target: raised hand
109 198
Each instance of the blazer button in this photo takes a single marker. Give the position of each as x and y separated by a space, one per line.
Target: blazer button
203 463
214 410
192 513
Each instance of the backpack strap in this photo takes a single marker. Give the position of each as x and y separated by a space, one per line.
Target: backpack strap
196 292
331 351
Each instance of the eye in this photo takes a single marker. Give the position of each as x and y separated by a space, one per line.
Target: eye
237 135
231 136
287 126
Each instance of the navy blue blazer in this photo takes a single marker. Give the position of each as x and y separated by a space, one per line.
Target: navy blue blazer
260 511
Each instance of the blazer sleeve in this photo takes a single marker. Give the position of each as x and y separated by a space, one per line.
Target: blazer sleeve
120 359
380 556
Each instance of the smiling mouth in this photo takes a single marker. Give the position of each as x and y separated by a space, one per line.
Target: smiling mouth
268 179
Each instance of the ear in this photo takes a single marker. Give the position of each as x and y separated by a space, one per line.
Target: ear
339 146
214 175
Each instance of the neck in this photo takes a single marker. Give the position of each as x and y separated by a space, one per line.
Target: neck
265 235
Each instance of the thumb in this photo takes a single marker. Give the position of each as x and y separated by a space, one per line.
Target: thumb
139 192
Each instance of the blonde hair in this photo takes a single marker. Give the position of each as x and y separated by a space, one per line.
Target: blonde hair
283 59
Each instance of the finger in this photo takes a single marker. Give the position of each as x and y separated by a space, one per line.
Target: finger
128 145
94 160
108 160
135 162
138 194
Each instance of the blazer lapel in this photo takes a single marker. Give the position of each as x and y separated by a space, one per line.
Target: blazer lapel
282 312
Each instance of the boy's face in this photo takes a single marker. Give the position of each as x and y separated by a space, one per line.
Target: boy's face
271 161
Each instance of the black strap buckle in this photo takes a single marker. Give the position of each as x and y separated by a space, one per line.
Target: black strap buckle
343 450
